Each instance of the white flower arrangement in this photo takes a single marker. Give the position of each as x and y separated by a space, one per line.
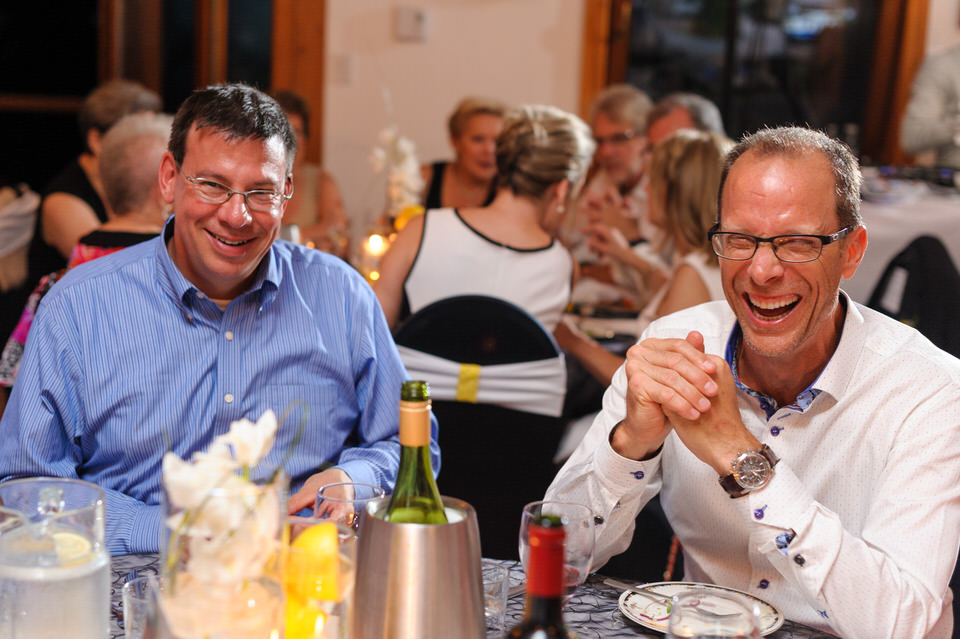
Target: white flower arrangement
224 527
398 156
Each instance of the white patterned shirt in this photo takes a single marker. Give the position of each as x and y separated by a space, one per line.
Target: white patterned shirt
858 531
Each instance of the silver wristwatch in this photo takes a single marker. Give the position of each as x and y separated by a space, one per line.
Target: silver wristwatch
751 470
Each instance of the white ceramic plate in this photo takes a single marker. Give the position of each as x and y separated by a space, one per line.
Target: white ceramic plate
654 616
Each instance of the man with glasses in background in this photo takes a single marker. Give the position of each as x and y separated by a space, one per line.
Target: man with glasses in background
161 346
806 449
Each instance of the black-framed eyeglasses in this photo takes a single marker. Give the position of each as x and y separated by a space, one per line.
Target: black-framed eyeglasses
260 200
788 248
616 139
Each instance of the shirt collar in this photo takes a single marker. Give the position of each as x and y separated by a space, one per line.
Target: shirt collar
834 377
267 281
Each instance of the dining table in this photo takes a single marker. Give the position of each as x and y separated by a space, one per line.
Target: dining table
592 612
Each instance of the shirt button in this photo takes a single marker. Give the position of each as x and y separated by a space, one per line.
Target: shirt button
775 431
199 295
799 560
228 398
764 584
229 336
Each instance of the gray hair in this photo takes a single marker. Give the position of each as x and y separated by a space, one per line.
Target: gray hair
623 103
540 146
130 159
796 142
703 112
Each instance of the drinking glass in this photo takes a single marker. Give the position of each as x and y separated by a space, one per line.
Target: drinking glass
344 502
578 522
320 574
54 568
496 585
712 614
141 597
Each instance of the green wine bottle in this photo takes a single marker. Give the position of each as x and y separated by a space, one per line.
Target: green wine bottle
543 613
415 498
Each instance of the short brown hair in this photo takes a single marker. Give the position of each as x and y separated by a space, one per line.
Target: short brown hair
796 142
623 103
111 101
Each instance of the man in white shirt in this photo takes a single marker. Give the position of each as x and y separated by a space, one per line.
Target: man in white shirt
834 431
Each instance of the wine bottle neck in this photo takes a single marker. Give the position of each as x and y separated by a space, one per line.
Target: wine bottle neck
547 611
414 424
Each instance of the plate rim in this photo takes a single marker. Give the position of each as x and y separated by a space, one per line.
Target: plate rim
648 586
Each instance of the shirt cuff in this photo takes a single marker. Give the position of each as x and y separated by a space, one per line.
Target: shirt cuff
361 472
624 475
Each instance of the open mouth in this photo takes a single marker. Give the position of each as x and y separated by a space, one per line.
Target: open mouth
227 242
772 310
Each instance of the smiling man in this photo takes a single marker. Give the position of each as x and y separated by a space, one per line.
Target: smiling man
806 449
161 346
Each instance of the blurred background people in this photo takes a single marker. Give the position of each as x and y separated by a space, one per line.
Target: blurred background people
507 249
316 213
684 177
676 111
128 163
470 179
73 203
932 118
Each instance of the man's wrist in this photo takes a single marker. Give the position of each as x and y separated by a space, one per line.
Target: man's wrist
622 444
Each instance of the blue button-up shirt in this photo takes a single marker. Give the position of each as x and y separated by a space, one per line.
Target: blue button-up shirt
127 359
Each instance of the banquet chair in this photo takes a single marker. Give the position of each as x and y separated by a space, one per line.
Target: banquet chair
497 380
921 287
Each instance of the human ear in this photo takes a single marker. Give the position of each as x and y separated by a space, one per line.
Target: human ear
853 250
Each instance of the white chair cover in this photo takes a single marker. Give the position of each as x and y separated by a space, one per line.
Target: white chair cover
537 386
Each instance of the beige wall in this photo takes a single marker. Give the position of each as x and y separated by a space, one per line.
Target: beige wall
520 51
943 30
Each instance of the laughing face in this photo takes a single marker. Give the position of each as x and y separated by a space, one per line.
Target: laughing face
789 313
218 247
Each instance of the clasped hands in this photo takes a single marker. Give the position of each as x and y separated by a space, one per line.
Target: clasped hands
672 384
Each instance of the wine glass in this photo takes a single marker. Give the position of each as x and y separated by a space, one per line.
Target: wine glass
578 523
712 614
344 501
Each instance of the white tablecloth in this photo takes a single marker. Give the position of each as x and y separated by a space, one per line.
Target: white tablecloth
891 227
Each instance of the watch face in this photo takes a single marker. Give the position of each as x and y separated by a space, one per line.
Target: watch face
752 471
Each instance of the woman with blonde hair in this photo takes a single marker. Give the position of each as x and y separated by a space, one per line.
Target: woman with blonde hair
684 177
470 179
507 249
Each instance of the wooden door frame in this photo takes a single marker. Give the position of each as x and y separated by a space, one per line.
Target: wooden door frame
298 60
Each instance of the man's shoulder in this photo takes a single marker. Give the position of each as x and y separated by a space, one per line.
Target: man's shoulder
310 266
890 340
105 271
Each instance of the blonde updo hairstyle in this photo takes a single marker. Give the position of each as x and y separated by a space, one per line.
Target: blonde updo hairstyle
540 146
686 169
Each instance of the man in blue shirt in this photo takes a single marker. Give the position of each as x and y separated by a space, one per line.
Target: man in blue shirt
161 346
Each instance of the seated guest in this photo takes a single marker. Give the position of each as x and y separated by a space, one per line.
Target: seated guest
470 180
161 346
684 174
72 203
677 111
615 196
507 249
316 208
806 448
932 119
128 161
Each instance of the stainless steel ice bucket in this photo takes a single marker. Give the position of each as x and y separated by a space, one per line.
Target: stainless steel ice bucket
417 581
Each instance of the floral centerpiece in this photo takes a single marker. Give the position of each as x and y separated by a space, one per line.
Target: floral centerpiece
397 156
224 537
